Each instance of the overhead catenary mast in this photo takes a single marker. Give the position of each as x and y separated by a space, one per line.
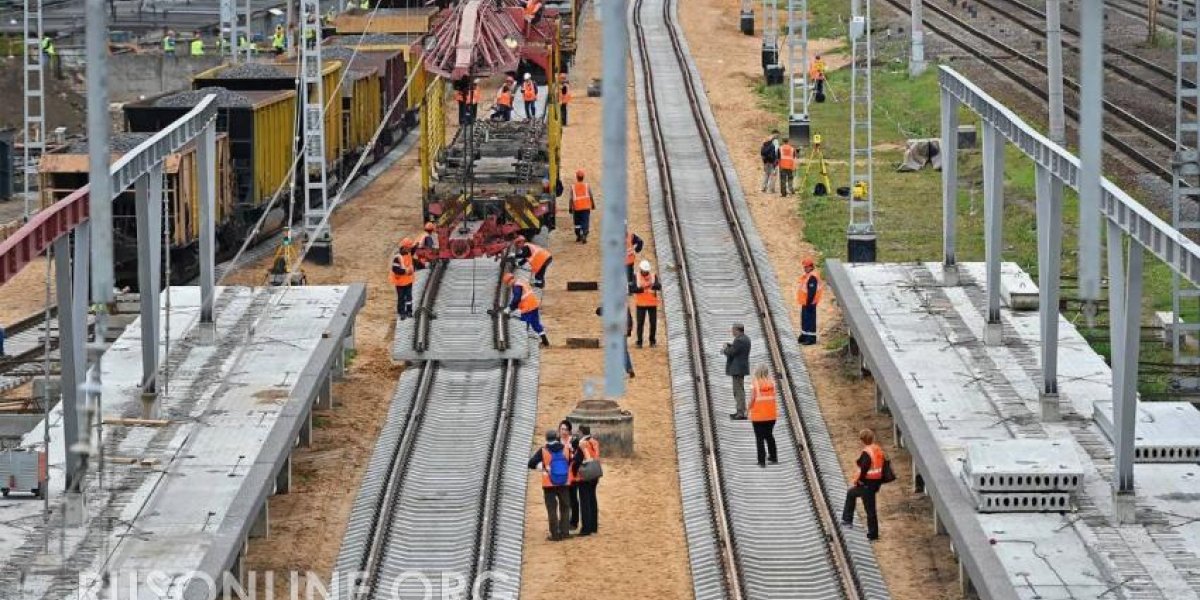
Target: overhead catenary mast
312 99
798 120
1185 171
860 235
34 128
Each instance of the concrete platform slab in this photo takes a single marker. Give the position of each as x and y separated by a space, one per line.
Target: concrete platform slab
235 405
919 339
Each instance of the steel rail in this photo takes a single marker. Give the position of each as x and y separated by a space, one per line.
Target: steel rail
424 312
1112 139
839 554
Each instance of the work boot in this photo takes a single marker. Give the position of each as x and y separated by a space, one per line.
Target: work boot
545 341
578 237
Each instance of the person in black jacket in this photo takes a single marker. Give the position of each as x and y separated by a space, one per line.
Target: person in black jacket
870 476
770 157
566 435
737 366
628 332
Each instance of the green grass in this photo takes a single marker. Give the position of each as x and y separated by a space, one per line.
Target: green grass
908 205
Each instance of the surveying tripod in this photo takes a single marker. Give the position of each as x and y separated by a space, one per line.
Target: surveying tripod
816 155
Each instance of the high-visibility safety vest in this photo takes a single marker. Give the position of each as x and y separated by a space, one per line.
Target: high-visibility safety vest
224 44
505 98
537 257
48 46
802 298
197 47
278 41
590 447
630 250
567 452
471 97
581 197
875 471
405 262
243 42
817 71
646 296
528 91
427 240
529 301
762 401
564 97
365 4
787 157
531 9
169 44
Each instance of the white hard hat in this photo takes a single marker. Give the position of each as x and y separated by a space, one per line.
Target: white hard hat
528 76
645 266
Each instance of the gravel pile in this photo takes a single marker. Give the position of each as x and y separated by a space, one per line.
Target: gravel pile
118 142
372 38
225 98
253 71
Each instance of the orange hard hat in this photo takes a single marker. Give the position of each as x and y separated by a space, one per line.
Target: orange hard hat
406 243
508 278
520 240
429 226
579 174
807 262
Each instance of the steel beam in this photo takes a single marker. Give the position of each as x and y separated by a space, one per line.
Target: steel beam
1054 70
1049 228
1152 233
1091 142
1125 304
993 216
206 157
70 283
148 200
949 179
614 182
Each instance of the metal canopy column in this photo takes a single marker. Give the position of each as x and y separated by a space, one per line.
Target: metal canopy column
1054 70
34 133
615 182
1091 79
1049 229
312 101
227 36
916 62
148 194
1185 170
799 128
993 211
949 187
206 150
860 234
1125 303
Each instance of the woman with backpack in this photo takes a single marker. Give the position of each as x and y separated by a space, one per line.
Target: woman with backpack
770 157
873 471
554 459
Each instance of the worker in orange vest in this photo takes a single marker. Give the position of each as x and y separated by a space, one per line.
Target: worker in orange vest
466 94
645 298
537 257
564 96
581 207
403 273
589 511
427 245
555 459
866 486
808 295
633 247
533 11
762 415
524 303
504 104
816 74
787 167
529 94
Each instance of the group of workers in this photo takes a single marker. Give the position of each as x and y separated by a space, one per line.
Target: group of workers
570 468
467 96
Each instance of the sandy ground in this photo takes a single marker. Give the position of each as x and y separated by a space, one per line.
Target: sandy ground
25 294
640 551
916 563
307 524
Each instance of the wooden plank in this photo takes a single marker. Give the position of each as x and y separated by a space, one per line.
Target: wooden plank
574 342
583 286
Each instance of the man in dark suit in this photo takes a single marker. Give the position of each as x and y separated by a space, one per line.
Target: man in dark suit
737 366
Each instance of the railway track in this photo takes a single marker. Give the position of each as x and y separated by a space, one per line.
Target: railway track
1153 141
441 496
753 533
